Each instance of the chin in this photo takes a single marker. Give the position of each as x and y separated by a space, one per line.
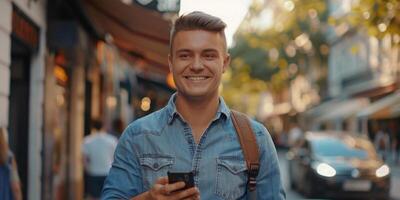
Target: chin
197 95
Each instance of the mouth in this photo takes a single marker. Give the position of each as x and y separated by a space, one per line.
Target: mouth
196 78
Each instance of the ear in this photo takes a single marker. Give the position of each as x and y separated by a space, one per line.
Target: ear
227 61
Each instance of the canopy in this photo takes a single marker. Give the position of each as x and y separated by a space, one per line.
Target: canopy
385 108
344 109
140 32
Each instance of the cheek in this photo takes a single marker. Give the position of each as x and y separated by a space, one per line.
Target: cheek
179 66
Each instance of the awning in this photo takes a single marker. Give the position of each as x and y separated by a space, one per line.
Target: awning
344 109
321 109
385 108
395 110
136 30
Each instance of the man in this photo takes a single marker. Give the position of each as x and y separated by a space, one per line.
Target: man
194 132
295 134
10 184
98 151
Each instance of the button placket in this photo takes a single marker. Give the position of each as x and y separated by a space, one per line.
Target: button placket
189 138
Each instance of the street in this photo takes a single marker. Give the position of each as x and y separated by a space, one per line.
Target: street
290 194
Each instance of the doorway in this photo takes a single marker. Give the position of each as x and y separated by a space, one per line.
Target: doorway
19 109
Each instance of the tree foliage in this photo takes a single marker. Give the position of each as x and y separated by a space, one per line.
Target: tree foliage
268 57
378 17
271 56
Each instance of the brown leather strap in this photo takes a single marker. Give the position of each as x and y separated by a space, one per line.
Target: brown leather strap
249 145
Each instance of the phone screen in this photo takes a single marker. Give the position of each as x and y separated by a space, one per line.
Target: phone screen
186 177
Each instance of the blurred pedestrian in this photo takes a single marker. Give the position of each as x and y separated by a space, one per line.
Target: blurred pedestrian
397 146
98 151
10 184
295 134
382 142
194 132
117 127
392 130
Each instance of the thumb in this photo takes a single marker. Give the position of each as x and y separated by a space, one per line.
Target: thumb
162 180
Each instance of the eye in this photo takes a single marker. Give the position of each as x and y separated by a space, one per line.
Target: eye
210 56
183 55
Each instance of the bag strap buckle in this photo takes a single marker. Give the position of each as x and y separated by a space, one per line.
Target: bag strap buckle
252 174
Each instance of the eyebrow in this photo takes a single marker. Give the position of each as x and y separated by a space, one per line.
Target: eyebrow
210 50
183 51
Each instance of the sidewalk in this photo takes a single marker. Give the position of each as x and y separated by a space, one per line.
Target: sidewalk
395 167
395 179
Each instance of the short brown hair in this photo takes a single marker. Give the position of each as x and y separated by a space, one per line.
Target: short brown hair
97 124
197 21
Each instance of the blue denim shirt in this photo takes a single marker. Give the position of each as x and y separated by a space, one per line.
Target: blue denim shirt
163 141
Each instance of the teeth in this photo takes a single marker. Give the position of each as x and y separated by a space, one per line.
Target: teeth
196 78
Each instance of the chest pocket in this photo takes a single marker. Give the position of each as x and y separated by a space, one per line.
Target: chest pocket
231 178
155 166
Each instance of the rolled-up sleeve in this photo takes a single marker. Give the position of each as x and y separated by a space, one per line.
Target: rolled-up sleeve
269 182
124 180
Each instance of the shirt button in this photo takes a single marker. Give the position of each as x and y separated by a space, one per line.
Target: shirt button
155 165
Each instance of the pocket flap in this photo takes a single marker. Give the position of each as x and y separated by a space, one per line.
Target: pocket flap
156 162
232 164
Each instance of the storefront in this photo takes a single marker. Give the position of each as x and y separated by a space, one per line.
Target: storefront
336 114
22 32
72 88
24 43
383 114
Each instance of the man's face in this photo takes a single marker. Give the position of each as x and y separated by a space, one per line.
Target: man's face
197 61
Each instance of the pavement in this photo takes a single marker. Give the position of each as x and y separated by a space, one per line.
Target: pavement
395 185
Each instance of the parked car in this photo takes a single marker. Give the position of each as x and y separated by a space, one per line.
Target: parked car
338 165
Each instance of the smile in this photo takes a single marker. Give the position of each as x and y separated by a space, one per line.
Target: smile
196 78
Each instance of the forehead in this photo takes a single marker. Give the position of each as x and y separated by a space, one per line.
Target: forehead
198 40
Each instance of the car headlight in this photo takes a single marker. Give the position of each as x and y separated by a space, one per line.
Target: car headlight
382 171
326 170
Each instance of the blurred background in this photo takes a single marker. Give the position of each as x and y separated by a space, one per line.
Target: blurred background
297 66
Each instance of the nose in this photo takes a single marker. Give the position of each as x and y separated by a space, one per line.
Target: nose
197 64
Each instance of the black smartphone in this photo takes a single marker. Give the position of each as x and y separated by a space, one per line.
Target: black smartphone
186 177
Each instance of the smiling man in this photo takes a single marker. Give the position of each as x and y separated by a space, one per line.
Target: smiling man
193 132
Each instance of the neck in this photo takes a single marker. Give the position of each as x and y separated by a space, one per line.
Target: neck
197 112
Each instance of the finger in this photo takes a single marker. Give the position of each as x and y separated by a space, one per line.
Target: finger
188 193
169 188
160 186
162 180
156 191
194 197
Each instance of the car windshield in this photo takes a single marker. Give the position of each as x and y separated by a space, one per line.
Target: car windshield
343 147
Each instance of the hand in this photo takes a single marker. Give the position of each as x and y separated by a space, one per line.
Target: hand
164 191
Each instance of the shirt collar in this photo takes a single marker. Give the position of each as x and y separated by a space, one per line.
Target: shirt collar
171 109
223 109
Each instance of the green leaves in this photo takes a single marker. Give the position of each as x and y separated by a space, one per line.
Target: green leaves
268 51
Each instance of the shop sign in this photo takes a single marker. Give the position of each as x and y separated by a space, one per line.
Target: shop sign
24 29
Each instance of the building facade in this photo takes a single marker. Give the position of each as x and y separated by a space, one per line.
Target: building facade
363 70
58 72
22 61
